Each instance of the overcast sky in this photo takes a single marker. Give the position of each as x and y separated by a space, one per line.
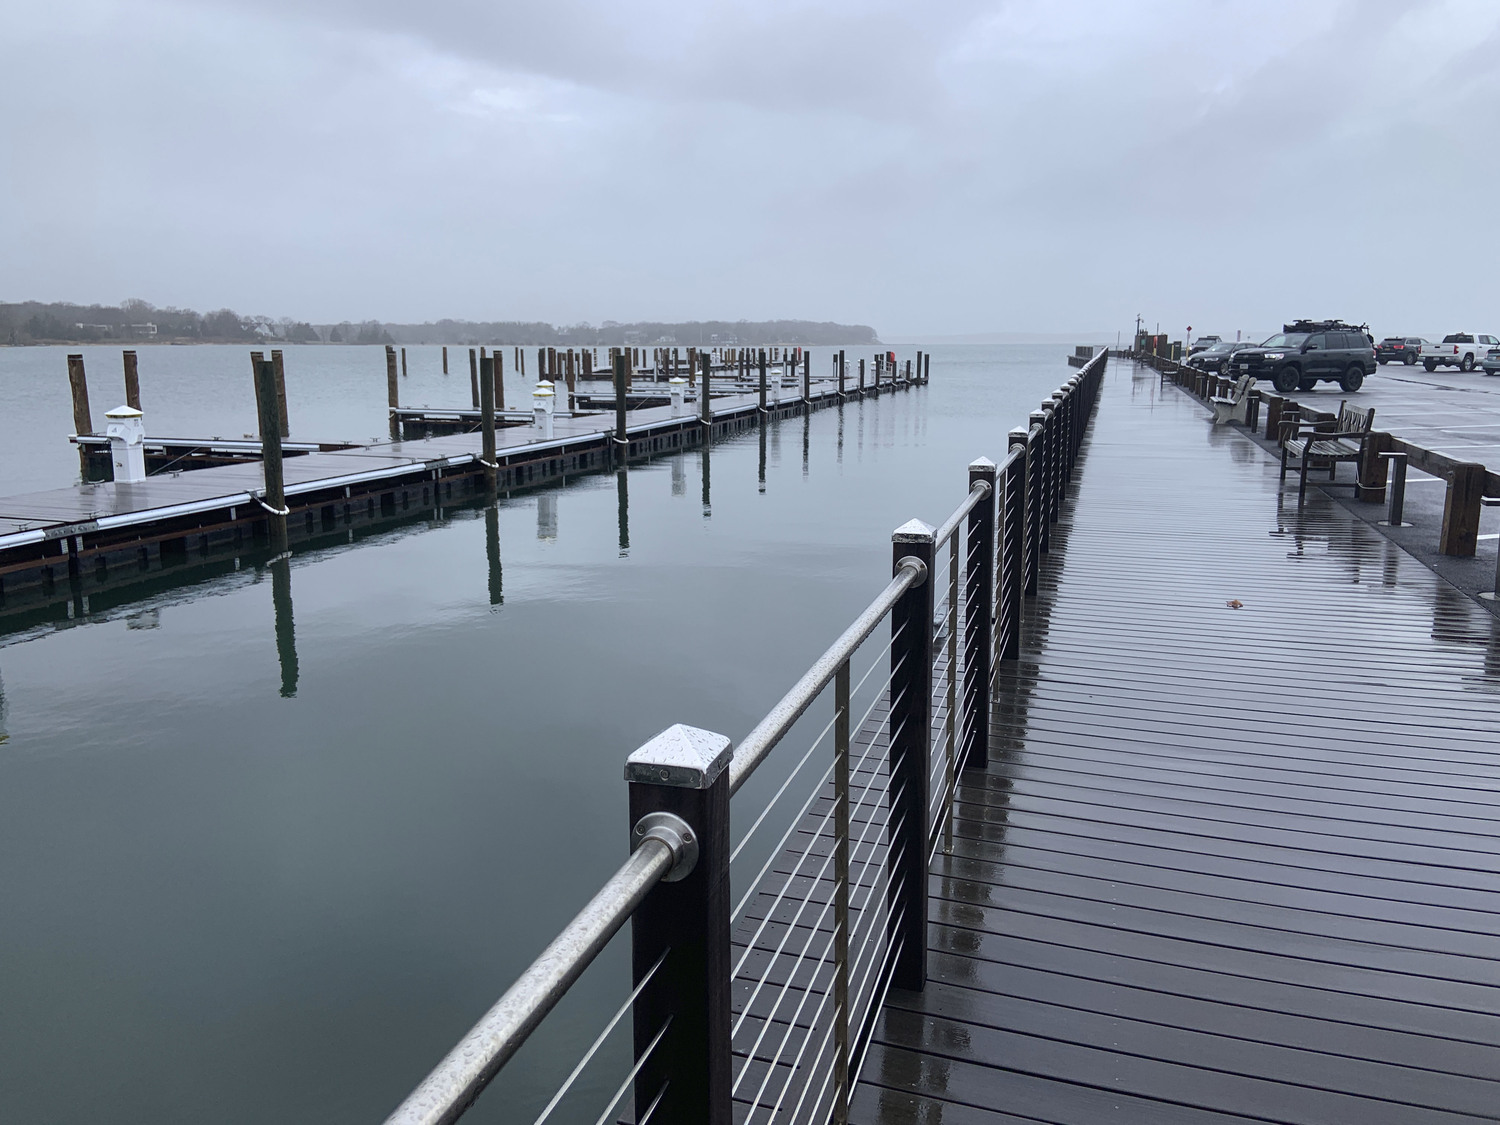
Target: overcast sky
926 167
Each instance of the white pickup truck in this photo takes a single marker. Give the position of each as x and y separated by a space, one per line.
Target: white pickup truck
1463 350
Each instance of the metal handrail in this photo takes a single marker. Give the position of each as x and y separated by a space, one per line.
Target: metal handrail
770 730
977 493
467 1069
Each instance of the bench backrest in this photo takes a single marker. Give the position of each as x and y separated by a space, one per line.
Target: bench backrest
1352 420
1242 387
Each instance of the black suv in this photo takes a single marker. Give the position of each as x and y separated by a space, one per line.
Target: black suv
1399 349
1309 352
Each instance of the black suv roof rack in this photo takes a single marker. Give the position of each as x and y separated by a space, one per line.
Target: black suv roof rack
1324 326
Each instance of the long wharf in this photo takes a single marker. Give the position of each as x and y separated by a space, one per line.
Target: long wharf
82 533
1140 793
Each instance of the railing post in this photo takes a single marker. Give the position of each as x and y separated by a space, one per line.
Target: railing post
910 740
679 785
1013 539
979 618
1398 487
841 896
1036 497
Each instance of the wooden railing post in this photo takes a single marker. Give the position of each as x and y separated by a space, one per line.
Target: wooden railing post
679 793
979 618
1461 508
1036 516
910 742
1372 468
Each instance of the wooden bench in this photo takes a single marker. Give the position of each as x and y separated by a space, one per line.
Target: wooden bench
1233 407
1325 441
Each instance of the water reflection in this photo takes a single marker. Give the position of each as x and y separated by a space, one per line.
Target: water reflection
679 475
806 440
546 516
492 553
622 486
762 488
707 502
286 631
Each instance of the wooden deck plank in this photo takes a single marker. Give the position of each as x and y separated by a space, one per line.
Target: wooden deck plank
1222 866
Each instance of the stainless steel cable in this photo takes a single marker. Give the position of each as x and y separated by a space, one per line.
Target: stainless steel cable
636 1069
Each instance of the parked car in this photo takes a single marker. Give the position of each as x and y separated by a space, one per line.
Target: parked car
1216 358
1399 349
1308 352
1459 349
1491 362
1202 344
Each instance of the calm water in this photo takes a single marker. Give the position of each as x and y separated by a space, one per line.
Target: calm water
235 894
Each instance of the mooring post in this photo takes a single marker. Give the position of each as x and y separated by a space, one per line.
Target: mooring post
926 369
83 421
910 741
274 499
807 380
403 362
392 382
861 378
487 423
132 381
979 616
445 359
1461 504
762 380
280 368
705 406
572 380
841 372
1397 462
499 380
622 438
473 379
679 935
1013 529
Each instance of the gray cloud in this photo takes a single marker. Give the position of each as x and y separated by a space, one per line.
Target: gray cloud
963 167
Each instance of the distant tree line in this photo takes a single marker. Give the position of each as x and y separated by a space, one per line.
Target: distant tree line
35 322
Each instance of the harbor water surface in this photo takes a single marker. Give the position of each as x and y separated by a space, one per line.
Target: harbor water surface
262 875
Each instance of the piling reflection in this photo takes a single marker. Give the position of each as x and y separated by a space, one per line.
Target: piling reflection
707 497
286 631
679 475
762 488
806 440
622 487
546 516
492 553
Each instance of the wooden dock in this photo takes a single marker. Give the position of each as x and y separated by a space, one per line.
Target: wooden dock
1235 856
82 533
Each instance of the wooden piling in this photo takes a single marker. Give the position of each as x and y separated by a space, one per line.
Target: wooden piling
706 410
841 372
270 444
762 380
474 378
445 359
622 438
403 363
279 366
487 378
83 421
392 386
1461 506
861 378
132 381
499 380
572 377
807 379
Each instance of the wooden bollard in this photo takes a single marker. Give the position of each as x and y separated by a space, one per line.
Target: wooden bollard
499 380
403 363
270 447
1373 467
807 379
473 378
1274 406
861 378
445 359
132 381
487 422
840 364
392 383
763 380
279 366
1461 510
572 377
83 420
588 364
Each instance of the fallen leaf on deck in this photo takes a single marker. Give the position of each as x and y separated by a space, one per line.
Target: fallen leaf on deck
1235 603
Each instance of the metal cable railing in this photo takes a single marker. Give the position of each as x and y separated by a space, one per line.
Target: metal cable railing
835 916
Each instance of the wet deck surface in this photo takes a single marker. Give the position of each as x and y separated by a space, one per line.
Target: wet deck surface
1226 864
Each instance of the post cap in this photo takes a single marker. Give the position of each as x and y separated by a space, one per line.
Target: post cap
913 531
683 756
980 464
677 381
124 412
